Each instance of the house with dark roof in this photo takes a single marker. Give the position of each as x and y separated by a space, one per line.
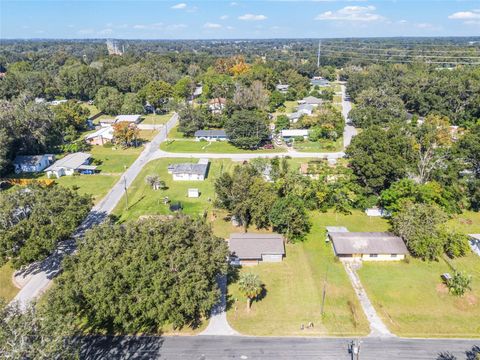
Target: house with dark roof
189 171
250 248
211 135
319 81
32 163
369 246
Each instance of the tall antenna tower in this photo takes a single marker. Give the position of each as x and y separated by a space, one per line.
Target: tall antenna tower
112 48
318 55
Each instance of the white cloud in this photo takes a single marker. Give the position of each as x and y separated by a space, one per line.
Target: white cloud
233 3
351 13
224 17
154 26
230 28
466 15
210 25
252 17
179 6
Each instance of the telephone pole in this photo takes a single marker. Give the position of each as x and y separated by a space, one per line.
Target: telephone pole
126 193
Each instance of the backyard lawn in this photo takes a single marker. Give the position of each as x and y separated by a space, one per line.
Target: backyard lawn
222 147
152 119
294 287
7 289
319 146
143 200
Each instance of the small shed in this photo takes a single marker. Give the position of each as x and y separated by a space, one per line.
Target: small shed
193 193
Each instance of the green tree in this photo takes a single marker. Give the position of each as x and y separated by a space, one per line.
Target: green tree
155 182
71 114
247 129
157 93
139 277
109 100
459 284
282 122
456 243
289 217
277 99
132 104
125 134
192 119
33 222
184 88
251 286
29 334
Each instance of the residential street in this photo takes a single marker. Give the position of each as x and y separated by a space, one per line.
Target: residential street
38 276
240 347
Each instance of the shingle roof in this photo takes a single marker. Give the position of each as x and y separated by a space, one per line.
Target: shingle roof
128 118
71 161
346 243
295 132
210 133
106 132
188 168
253 246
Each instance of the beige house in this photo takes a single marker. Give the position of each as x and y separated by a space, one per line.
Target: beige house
250 248
367 246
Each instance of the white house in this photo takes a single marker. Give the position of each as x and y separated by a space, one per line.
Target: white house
251 248
76 162
134 119
311 100
107 122
282 88
319 81
189 171
211 135
32 163
193 193
293 133
306 109
217 105
101 136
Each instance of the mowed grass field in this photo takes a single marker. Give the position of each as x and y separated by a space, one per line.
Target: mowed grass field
7 289
152 119
412 299
218 147
294 288
97 185
319 146
143 200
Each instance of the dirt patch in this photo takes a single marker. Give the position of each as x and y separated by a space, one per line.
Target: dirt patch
466 302
442 288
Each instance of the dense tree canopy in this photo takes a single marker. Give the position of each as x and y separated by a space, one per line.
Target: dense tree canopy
139 277
247 129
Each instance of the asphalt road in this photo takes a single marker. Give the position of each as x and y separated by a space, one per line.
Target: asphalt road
38 276
239 347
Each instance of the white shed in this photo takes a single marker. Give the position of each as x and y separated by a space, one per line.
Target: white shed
193 193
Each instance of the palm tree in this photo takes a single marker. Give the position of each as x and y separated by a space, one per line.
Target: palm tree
251 286
155 182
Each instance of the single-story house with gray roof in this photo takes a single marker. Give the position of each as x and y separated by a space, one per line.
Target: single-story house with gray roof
189 171
251 248
77 162
211 135
32 163
371 246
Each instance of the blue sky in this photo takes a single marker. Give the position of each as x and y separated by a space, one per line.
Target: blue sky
237 19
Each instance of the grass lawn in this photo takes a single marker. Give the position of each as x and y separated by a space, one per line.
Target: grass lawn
319 146
289 108
7 289
96 185
145 201
223 147
156 119
114 160
175 134
294 288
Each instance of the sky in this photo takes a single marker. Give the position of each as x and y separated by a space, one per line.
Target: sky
82 19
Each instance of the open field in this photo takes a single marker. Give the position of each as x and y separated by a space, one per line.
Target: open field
153 119
319 146
143 200
175 134
294 288
221 147
96 185
7 289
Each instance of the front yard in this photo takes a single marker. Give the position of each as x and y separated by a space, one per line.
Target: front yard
152 119
7 289
319 146
218 147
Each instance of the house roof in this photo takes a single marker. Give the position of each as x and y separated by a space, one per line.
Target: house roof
282 86
106 132
188 168
217 101
253 246
308 107
312 100
336 229
295 132
474 236
71 161
30 160
347 243
128 118
198 91
107 121
199 133
295 115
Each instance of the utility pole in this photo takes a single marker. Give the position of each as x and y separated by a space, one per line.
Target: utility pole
324 294
126 193
318 55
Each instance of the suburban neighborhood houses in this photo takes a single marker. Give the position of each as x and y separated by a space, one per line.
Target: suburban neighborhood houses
267 198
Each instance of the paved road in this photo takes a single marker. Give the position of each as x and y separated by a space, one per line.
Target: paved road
349 130
38 277
249 348
377 327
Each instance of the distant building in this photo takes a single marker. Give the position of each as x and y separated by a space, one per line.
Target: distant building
134 119
282 88
319 81
32 163
376 212
189 171
107 122
211 135
369 246
294 117
100 137
310 100
57 102
198 91
251 248
306 109
70 164
293 133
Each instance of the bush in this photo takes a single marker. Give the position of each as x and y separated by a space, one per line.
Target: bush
456 244
459 284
